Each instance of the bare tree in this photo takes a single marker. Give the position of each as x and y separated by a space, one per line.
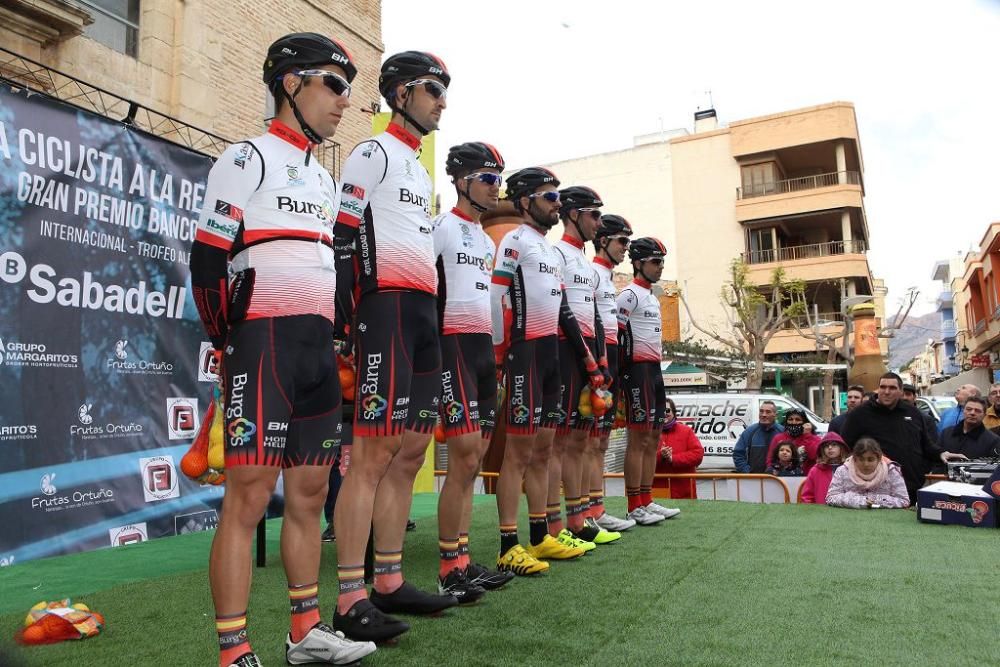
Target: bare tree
827 334
754 314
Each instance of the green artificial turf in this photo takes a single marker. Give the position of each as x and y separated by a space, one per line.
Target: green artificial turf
723 584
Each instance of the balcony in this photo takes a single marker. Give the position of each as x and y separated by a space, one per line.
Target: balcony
948 330
799 184
811 251
944 298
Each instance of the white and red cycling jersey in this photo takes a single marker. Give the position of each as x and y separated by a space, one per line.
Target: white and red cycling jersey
530 269
580 283
607 307
386 197
639 323
270 207
464 262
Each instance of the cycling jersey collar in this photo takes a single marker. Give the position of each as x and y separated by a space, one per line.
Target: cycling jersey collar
603 262
576 243
458 213
282 131
403 135
642 282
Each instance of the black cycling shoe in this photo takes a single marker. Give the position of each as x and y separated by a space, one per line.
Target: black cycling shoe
587 533
407 599
328 535
410 525
247 660
489 579
366 623
457 584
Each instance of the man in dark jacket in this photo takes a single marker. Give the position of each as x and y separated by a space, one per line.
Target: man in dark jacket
910 396
970 436
899 429
855 397
750 452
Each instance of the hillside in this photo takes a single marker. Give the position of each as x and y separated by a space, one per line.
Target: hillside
912 337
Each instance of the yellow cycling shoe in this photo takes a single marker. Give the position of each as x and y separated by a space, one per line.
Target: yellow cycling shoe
520 562
570 540
551 548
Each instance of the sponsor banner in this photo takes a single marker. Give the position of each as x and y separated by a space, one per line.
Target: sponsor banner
196 522
132 533
159 478
102 359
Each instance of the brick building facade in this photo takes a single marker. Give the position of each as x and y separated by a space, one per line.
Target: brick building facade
199 62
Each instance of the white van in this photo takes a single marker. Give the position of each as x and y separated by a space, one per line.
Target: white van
719 419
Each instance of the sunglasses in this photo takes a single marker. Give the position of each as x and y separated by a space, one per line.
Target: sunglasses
485 177
658 261
331 80
594 213
551 196
434 88
620 239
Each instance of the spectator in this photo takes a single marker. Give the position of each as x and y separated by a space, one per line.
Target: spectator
953 415
832 452
855 397
970 436
930 423
750 452
679 452
992 419
808 428
899 429
806 444
867 480
786 461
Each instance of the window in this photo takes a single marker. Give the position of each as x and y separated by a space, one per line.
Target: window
761 245
760 179
116 24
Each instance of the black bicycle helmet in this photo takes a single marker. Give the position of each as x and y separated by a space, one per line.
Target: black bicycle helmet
302 50
578 196
646 248
613 225
526 181
407 66
466 158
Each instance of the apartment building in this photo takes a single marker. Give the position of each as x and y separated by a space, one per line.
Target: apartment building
783 190
946 271
976 296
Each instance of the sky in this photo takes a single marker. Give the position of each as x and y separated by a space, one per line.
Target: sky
550 80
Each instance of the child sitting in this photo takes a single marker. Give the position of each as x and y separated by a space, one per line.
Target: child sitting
832 452
867 480
786 461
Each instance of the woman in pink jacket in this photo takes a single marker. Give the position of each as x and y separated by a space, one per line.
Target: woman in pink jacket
867 480
832 452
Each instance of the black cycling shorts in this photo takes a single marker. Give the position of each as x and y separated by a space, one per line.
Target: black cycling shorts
282 390
398 356
603 425
468 384
573 381
644 395
533 385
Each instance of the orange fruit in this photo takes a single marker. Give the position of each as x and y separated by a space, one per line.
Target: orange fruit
346 380
597 403
34 634
194 464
